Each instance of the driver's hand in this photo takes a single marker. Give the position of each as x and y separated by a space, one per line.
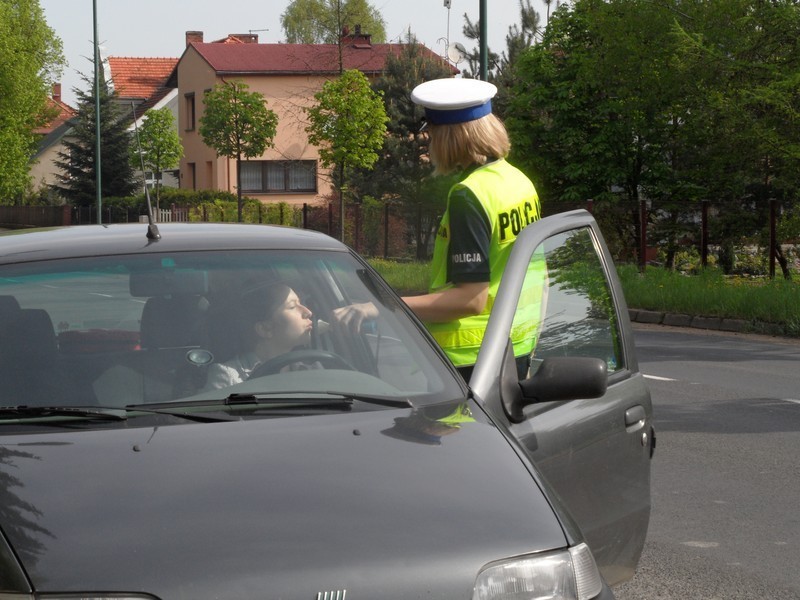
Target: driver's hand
352 316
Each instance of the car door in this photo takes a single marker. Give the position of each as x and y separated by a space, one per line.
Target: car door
594 452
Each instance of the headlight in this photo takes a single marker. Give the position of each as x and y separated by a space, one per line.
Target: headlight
568 575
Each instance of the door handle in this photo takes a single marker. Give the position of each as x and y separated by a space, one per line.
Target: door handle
635 417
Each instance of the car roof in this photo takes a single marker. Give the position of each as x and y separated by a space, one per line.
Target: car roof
28 245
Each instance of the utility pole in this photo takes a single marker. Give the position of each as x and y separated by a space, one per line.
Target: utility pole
484 47
97 158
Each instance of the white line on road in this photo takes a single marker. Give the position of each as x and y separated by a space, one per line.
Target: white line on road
657 378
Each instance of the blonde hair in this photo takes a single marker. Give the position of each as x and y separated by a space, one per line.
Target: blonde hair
461 145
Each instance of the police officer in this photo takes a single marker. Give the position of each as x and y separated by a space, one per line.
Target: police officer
486 210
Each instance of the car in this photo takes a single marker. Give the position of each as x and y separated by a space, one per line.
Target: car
359 464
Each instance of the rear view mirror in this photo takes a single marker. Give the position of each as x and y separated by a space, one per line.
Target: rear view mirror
557 379
566 378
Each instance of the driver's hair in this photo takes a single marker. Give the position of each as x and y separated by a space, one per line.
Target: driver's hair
258 301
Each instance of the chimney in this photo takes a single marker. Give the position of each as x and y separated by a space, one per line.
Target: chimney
358 39
57 92
194 37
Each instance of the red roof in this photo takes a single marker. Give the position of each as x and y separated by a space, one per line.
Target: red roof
291 59
140 78
65 112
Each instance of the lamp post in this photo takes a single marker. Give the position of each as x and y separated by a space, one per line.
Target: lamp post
97 158
484 48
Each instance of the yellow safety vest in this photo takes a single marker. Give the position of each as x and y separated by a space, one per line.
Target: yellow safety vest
510 202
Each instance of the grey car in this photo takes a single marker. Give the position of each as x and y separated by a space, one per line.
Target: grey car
359 465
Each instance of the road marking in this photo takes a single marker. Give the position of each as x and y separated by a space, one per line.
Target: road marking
792 400
702 544
657 378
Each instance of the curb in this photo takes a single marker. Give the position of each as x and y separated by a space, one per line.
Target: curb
702 322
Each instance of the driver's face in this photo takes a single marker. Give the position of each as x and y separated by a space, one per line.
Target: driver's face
291 322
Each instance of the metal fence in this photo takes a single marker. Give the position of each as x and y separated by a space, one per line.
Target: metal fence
636 232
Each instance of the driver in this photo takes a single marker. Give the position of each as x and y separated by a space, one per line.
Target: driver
270 321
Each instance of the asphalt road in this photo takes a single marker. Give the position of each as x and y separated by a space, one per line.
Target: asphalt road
725 520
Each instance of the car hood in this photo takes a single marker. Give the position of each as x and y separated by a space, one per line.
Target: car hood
271 508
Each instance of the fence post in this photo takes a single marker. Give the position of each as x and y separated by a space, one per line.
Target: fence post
385 231
773 236
590 205
305 215
642 235
357 208
704 235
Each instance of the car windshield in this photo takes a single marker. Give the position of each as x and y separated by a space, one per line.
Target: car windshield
132 330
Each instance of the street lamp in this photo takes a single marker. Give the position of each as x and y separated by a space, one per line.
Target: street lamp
484 48
97 158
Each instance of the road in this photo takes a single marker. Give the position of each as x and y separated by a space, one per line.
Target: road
725 520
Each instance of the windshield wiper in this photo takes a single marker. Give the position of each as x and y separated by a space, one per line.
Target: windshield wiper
274 400
305 398
78 412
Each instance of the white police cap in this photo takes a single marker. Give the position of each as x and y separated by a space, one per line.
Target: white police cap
449 101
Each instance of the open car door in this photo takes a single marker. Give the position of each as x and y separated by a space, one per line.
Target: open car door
585 423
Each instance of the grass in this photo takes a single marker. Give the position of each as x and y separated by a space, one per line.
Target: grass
711 293
758 301
405 277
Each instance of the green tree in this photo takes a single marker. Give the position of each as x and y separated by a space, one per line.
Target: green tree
237 123
403 175
30 59
159 146
348 124
78 185
746 56
594 110
671 103
323 21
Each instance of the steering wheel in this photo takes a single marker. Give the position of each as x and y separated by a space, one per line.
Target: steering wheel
328 360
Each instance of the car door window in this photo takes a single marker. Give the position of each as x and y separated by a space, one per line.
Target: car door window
567 287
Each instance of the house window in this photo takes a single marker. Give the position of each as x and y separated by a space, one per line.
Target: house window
189 105
192 175
279 176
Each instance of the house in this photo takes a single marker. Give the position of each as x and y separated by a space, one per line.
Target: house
288 76
43 170
142 84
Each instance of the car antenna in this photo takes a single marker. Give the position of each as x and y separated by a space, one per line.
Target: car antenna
152 228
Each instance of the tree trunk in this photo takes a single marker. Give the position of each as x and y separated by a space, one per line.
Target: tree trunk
783 262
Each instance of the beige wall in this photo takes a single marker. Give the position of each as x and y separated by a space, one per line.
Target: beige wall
285 95
195 77
43 170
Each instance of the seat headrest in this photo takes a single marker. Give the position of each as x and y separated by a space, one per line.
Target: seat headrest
172 322
28 339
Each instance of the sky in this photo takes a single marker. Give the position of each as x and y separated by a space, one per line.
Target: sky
157 28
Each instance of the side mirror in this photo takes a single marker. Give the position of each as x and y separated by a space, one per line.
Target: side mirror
557 379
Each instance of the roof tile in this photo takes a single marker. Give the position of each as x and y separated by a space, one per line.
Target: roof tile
140 78
275 59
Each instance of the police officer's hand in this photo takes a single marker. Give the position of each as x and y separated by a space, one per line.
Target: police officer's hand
352 316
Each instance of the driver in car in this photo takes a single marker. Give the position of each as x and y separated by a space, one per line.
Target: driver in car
270 321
